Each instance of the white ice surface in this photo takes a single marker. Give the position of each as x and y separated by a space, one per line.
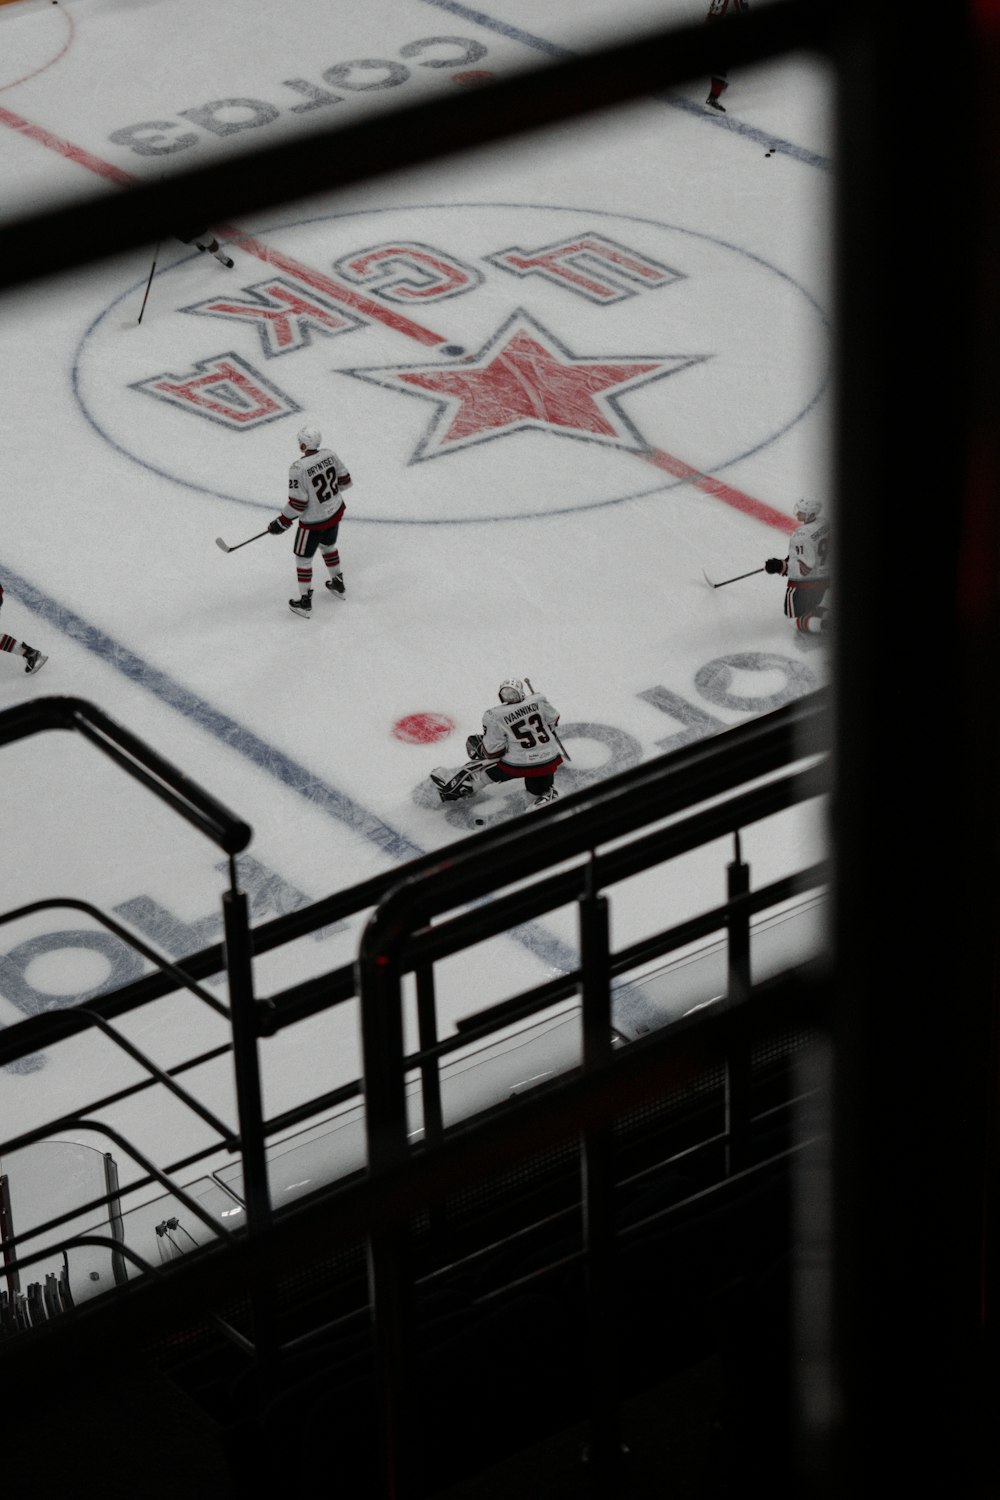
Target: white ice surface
571 555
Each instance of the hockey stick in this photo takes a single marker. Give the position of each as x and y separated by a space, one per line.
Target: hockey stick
220 543
565 753
724 581
149 283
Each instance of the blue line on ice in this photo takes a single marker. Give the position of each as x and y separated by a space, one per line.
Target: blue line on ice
555 49
275 763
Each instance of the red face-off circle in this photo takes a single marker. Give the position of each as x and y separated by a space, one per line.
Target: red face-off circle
422 729
47 42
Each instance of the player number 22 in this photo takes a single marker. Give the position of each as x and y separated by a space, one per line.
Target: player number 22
325 484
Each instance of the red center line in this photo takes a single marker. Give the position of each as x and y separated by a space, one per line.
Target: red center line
65 148
367 308
320 282
359 303
718 489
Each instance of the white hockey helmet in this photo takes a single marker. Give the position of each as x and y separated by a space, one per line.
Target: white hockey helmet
512 690
807 510
310 437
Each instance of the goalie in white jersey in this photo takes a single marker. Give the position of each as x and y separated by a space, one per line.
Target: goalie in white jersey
807 568
315 483
519 740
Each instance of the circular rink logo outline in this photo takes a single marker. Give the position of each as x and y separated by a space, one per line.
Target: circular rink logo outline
449 377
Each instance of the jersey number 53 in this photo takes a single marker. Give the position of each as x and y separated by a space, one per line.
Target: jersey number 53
530 731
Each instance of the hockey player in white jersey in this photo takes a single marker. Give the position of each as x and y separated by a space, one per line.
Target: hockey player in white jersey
34 661
206 241
518 741
807 568
720 73
316 482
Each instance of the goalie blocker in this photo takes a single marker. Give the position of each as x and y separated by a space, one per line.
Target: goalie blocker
518 742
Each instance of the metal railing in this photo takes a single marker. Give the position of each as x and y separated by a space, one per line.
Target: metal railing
230 833
465 871
479 887
906 427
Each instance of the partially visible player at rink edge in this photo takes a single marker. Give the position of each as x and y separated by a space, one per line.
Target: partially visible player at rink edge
518 742
206 241
315 482
34 661
807 568
720 74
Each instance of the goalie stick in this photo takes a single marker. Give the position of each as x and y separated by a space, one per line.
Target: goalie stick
565 753
723 581
226 548
149 283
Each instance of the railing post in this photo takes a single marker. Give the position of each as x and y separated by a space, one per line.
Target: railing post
430 1082
738 925
738 1107
246 1067
390 1278
115 1224
6 1239
605 1452
430 1075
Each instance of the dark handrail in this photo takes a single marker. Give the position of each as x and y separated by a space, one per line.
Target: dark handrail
400 928
688 775
627 803
231 834
164 965
657 789
337 157
141 762
545 895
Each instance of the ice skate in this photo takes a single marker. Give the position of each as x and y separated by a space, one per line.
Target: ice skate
34 661
336 586
549 796
302 606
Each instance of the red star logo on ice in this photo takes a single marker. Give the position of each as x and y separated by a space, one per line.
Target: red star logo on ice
521 379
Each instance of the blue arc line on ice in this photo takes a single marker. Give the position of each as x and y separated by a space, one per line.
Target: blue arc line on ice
264 757
290 773
492 23
555 49
663 485
775 143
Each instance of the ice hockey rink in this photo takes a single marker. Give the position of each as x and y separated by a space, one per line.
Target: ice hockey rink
570 376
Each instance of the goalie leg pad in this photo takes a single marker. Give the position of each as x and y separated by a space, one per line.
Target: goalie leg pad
454 785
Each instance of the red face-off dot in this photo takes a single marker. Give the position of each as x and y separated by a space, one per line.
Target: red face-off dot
422 729
472 77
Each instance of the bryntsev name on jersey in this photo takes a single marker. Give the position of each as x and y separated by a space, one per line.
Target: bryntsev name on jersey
314 486
521 733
